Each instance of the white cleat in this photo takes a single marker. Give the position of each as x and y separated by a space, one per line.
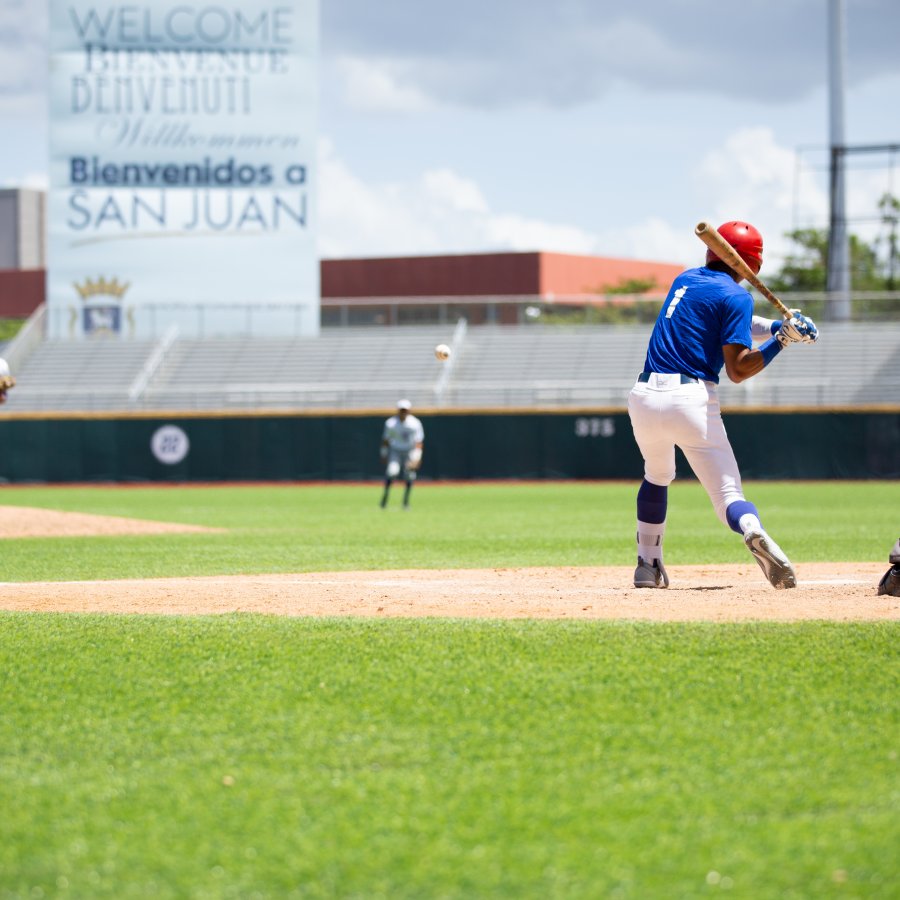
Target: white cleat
650 574
775 565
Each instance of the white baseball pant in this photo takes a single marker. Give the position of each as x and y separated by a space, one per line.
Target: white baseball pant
398 465
665 413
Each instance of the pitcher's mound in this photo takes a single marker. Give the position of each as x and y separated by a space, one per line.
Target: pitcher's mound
27 521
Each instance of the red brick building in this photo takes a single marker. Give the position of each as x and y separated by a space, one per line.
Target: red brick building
488 274
21 292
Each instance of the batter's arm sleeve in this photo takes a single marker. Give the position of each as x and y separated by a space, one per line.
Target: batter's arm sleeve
762 329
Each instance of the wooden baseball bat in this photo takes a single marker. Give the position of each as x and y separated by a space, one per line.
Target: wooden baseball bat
711 237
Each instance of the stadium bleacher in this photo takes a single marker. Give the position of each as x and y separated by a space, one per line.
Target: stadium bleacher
531 366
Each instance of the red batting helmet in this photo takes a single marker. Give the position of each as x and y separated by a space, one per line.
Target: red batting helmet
745 239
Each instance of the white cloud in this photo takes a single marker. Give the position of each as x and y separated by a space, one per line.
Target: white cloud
23 57
751 177
441 211
461 194
510 232
373 85
655 240
437 211
359 219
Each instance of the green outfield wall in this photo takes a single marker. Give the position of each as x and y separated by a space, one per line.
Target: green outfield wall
497 444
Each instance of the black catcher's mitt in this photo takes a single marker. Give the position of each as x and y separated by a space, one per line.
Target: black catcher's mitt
890 584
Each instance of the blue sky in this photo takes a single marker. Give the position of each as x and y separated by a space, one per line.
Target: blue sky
563 125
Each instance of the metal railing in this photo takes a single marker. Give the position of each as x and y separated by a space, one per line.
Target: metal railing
195 320
211 320
468 395
30 335
575 309
154 361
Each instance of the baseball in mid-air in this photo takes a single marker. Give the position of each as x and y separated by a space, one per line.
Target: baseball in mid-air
442 351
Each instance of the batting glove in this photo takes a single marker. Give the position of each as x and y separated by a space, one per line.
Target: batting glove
799 329
804 326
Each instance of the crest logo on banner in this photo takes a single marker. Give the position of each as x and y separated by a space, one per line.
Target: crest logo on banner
102 309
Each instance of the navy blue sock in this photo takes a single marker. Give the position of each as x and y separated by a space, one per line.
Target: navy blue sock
737 509
652 502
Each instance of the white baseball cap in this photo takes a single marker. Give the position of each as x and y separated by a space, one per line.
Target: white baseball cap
404 404
4 367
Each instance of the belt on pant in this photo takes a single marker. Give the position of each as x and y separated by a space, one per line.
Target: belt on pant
685 379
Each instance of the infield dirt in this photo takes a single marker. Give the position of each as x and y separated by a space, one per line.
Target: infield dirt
717 593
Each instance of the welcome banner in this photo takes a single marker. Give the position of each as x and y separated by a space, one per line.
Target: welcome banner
182 169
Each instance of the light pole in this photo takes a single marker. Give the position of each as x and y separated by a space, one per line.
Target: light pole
838 280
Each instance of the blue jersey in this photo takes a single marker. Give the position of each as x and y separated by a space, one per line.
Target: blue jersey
704 310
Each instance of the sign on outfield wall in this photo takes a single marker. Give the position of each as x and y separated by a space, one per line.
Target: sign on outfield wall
182 169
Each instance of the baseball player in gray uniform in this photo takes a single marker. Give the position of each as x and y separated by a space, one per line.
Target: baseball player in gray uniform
401 450
705 322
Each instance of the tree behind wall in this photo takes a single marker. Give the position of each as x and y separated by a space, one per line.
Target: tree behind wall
806 269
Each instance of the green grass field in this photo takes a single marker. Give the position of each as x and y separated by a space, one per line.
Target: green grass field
303 529
254 756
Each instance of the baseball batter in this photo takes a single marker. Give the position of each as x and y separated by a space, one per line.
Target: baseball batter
401 449
705 322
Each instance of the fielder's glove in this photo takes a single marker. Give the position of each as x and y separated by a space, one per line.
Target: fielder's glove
890 584
798 329
7 382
